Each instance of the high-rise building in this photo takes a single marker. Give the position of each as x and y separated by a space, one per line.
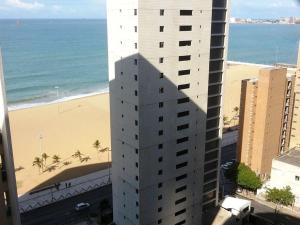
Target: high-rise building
166 61
9 212
295 131
265 118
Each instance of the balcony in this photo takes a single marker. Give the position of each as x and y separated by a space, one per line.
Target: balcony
219 3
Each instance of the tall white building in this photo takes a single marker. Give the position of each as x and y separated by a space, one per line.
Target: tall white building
166 63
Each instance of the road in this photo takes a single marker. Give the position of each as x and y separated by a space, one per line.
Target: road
63 212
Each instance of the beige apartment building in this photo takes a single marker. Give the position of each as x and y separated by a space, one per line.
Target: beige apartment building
265 116
9 212
295 131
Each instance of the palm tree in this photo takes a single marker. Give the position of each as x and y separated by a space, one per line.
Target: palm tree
97 144
38 162
237 112
78 154
44 158
56 159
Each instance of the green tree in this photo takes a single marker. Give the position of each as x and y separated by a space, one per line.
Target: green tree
247 179
225 120
97 144
283 197
44 158
38 162
78 155
56 159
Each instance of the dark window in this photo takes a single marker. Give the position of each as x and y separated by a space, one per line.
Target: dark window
181 140
161 29
210 166
185 43
217 41
209 196
160 104
212 134
160 146
160 185
135 28
162 12
183 100
185 28
160 119
182 188
214 101
182 114
216 53
161 60
180 223
218 28
184 72
219 3
135 62
181 165
186 12
159 221
210 186
211 145
159 209
136 108
219 15
213 112
161 75
211 155
180 212
210 176
161 132
183 86
182 152
135 45
160 172
180 200
159 197
135 12
181 177
136 122
161 90
135 93
184 58
212 123
135 77
183 127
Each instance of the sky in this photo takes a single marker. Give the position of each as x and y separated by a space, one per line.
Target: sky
96 8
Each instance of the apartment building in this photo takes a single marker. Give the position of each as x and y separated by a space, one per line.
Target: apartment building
295 131
265 118
9 213
166 62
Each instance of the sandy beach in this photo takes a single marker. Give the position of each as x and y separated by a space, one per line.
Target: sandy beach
59 129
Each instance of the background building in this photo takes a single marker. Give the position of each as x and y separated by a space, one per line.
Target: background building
166 73
265 118
9 214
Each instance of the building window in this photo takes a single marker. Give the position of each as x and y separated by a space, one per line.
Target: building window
135 77
162 12
182 188
183 100
136 108
159 221
161 44
184 58
160 133
161 29
136 122
160 159
160 146
135 12
183 114
160 172
136 151
135 28
181 177
135 45
160 119
135 93
185 28
161 75
160 104
159 209
181 200
183 86
135 61
182 140
180 223
159 185
186 12
180 212
184 72
182 152
161 90
161 60
185 43
136 165
297 178
181 165
159 197
183 127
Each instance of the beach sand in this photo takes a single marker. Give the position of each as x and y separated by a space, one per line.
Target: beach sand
59 129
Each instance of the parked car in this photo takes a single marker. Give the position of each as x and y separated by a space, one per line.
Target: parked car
82 206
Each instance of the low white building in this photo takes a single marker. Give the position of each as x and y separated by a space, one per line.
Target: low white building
286 172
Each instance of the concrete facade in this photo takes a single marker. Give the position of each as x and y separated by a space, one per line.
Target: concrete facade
166 70
9 212
265 118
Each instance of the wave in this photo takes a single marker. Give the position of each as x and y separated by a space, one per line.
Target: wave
13 107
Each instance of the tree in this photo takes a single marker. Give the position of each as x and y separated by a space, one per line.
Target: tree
97 144
225 120
38 162
283 197
247 179
78 154
56 159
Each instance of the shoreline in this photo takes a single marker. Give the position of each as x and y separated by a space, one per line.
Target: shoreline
29 105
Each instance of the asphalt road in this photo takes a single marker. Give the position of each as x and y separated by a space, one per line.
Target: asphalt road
63 212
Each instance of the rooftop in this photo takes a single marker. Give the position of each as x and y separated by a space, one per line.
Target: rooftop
292 157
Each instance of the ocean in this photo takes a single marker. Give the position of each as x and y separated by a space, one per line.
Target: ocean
54 60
